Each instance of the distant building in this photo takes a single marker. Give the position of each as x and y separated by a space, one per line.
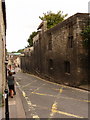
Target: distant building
27 51
89 7
13 60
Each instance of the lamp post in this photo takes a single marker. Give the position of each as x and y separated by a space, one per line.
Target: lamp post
6 105
6 96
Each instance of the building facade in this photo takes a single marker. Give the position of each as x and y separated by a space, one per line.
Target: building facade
13 60
59 54
2 45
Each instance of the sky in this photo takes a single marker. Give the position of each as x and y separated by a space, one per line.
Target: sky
23 17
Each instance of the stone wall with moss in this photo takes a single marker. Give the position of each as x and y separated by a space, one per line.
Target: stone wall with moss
58 54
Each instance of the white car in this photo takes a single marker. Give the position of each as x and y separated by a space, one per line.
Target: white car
13 71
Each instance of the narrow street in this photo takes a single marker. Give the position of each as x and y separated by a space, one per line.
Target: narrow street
44 99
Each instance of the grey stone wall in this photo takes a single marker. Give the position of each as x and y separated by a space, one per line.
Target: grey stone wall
2 50
63 51
59 54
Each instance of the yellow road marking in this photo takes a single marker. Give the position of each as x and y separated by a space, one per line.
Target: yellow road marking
55 89
35 116
60 97
74 99
24 94
29 84
44 80
17 83
30 104
67 114
57 83
54 110
43 94
61 89
54 107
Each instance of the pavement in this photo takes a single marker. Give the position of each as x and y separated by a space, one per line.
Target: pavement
1 107
84 87
16 109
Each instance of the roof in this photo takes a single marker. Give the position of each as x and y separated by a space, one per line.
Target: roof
39 27
66 21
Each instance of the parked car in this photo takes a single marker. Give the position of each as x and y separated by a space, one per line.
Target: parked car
13 71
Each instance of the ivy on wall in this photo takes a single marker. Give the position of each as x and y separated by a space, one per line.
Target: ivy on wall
86 37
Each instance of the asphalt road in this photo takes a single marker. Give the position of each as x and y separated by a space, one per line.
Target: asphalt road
44 99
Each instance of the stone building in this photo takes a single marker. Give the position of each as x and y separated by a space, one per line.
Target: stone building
26 60
59 54
2 44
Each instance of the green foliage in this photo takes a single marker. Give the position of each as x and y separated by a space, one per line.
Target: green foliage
13 52
86 37
52 18
20 50
30 39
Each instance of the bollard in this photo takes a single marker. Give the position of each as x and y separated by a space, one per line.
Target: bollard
6 105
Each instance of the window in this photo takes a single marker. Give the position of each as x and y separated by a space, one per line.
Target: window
67 66
50 42
70 41
70 28
50 66
50 63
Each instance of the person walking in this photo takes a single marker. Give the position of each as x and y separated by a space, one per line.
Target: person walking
10 80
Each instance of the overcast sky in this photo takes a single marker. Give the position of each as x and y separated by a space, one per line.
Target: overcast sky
23 17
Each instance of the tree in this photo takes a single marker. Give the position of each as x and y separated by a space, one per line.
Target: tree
86 37
52 18
20 50
86 42
30 39
13 52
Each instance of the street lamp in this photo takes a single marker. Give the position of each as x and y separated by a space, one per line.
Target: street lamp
6 95
6 105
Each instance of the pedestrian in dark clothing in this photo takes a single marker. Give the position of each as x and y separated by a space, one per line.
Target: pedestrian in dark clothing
10 80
